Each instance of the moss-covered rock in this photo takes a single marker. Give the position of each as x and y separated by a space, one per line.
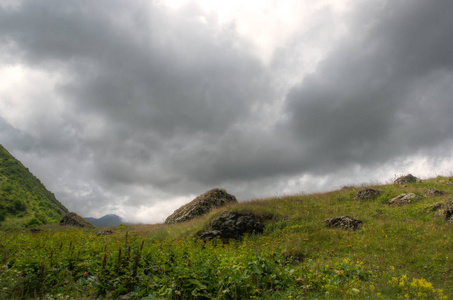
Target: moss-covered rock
201 205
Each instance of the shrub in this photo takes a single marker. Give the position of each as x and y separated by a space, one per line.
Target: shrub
33 222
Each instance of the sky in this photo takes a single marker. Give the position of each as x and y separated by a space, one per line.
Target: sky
136 107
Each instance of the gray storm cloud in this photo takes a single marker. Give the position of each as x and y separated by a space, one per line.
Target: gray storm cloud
384 93
148 106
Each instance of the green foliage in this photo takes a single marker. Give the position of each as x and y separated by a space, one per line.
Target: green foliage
33 222
2 215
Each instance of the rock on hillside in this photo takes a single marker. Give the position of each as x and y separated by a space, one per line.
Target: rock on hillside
368 194
409 178
233 225
344 222
73 219
201 205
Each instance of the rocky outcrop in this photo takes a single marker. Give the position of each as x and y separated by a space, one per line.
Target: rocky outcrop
442 210
201 205
409 178
368 194
434 193
445 210
105 232
233 225
73 219
345 222
402 199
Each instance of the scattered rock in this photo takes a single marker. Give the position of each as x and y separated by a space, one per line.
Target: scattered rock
344 222
409 178
445 213
105 232
435 193
402 199
293 257
367 194
443 210
73 219
209 235
233 225
434 207
201 205
35 230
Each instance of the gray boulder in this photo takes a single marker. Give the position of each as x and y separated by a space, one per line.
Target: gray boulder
435 193
345 222
409 178
442 210
445 211
367 194
402 199
201 205
233 225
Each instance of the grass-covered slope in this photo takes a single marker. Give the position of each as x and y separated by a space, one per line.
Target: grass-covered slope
24 200
400 252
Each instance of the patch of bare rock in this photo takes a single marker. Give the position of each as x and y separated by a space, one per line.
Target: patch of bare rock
402 199
435 193
201 205
443 210
368 194
233 225
344 222
73 219
409 178
105 232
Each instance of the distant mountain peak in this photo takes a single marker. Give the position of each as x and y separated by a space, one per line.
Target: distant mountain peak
105 221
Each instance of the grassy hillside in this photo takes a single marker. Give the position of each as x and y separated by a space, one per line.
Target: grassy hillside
401 252
24 200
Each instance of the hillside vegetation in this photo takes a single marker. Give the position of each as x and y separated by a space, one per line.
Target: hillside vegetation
24 200
400 252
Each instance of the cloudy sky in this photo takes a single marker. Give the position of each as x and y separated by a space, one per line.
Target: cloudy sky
135 107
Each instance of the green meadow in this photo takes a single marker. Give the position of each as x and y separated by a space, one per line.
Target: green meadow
401 252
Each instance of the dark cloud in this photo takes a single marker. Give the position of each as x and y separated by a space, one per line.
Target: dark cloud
137 108
146 86
385 92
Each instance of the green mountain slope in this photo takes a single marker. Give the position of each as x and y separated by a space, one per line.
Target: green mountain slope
24 200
